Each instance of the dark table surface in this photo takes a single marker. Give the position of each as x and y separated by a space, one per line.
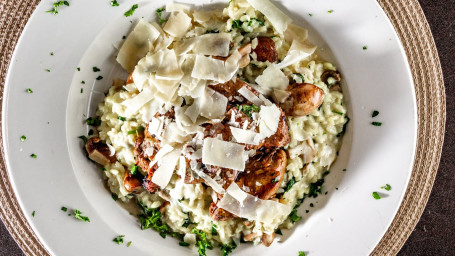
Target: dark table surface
435 233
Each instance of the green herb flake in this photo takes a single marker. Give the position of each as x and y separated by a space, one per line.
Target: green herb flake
301 253
23 138
376 195
99 78
82 90
375 113
237 24
83 138
330 11
227 249
338 112
33 214
64 209
344 170
129 243
201 241
290 184
29 90
77 215
294 217
159 12
260 22
131 10
214 227
96 69
248 109
184 244
33 156
152 219
275 180
387 187
123 37
52 53
56 5
114 3
93 121
365 47
134 169
121 118
310 14
138 130
48 70
114 196
376 123
278 232
118 239
78 69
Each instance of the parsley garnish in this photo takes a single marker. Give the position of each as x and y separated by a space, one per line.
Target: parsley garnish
364 47
315 188
119 239
248 109
33 156
290 184
52 53
294 217
121 118
214 227
131 10
387 187
82 90
301 253
330 11
278 232
184 244
129 243
93 121
376 123
56 5
83 138
134 169
310 14
64 208
201 241
99 78
376 195
48 70
227 249
23 138
33 213
114 3
152 219
77 215
82 82
159 12
96 69
29 90
338 112
138 130
237 24
114 196
78 69
258 21
375 113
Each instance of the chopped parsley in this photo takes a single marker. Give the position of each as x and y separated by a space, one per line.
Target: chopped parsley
330 11
64 209
114 196
376 123
82 90
315 188
214 227
78 69
134 169
121 118
114 3
364 47
338 112
93 121
184 244
23 138
99 78
96 69
290 184
83 138
294 217
387 187
159 12
344 170
188 222
82 82
33 156
376 195
301 77
77 215
48 70
375 113
56 5
278 232
202 242
152 219
310 14
138 130
248 109
237 24
301 253
33 213
52 53
258 21
29 90
227 249
119 239
129 243
131 10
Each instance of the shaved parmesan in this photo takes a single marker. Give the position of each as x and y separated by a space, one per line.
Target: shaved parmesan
217 70
134 104
160 154
167 87
211 182
211 105
177 24
280 96
295 32
305 149
269 120
253 208
272 78
213 44
223 154
246 136
173 134
155 127
137 44
249 95
175 7
298 52
166 168
278 19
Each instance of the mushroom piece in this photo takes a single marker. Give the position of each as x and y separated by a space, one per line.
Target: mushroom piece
250 237
131 183
266 50
245 52
333 85
303 100
267 239
99 152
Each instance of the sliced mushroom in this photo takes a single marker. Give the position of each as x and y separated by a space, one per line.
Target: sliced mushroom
99 152
335 84
131 183
267 239
303 100
265 50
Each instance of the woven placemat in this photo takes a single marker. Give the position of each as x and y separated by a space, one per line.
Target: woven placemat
412 28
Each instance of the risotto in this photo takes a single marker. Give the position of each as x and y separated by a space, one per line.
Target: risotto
227 121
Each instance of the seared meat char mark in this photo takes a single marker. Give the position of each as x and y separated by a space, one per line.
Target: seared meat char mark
266 50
